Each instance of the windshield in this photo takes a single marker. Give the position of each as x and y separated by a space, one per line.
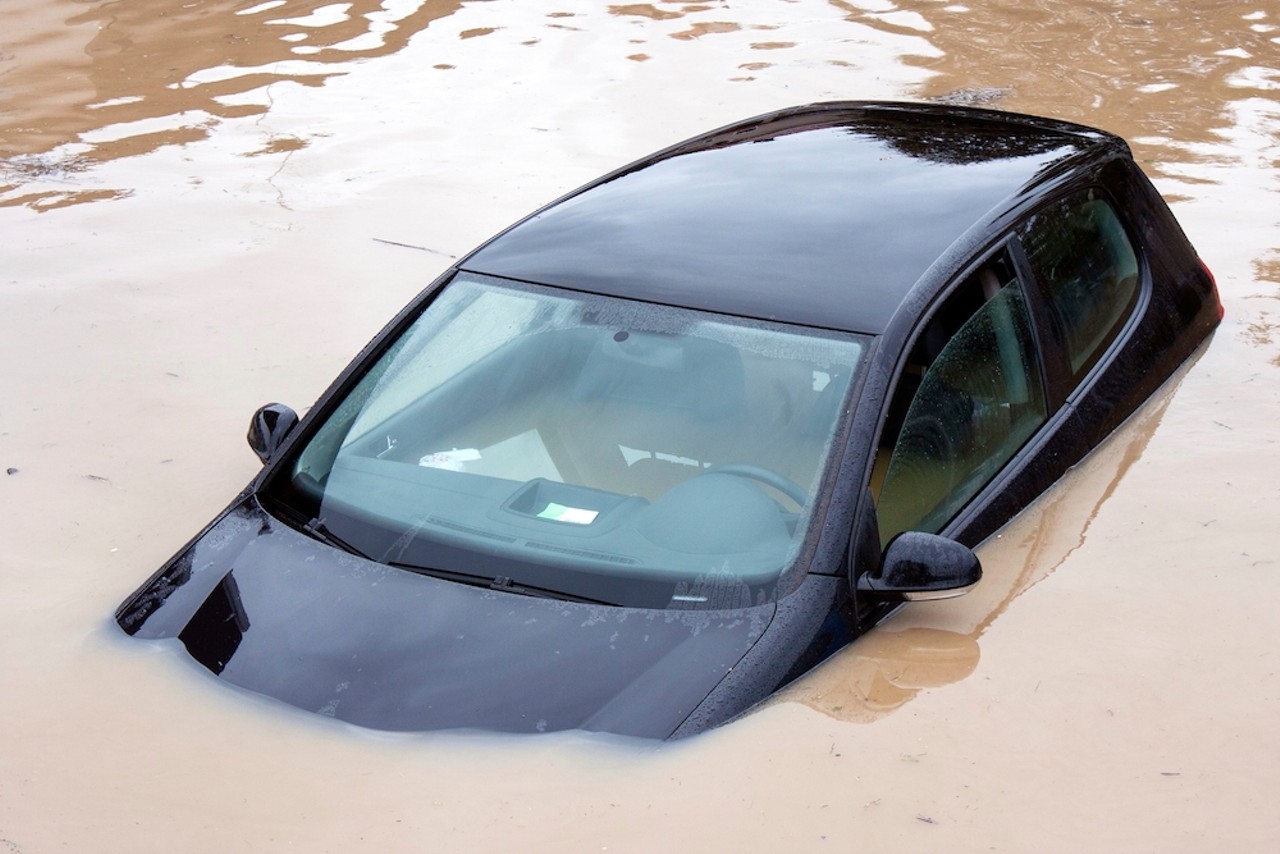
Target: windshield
599 448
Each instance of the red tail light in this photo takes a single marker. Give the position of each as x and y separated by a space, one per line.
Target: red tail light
1222 312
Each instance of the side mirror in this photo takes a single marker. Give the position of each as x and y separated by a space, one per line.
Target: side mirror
270 426
918 566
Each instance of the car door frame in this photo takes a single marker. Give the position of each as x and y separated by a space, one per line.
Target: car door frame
1035 465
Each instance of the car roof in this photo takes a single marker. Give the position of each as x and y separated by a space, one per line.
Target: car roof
824 215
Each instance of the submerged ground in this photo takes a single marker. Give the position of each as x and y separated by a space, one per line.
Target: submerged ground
199 206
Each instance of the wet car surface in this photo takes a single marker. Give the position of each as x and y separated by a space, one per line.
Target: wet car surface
611 472
1113 661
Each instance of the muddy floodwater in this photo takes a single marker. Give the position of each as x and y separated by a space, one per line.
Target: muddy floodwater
199 206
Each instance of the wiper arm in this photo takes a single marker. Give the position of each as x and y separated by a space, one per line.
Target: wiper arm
318 529
506 584
501 582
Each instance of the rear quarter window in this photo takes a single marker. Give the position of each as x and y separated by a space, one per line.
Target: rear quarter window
1087 269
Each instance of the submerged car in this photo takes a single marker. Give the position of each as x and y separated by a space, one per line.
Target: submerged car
664 445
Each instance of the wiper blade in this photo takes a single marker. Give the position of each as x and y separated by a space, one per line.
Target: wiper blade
501 582
318 529
506 584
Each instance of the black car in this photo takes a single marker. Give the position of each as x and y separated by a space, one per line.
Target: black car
667 443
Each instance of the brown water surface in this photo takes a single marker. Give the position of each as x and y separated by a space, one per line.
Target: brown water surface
193 199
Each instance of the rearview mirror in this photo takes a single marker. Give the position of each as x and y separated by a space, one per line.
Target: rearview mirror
918 566
270 426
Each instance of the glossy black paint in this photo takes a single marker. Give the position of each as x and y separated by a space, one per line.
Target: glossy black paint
1178 309
860 217
917 565
274 611
828 221
270 426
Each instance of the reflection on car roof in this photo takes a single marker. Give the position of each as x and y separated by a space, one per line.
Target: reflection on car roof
824 215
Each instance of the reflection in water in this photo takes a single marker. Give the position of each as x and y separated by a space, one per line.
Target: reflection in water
1188 688
884 670
646 10
119 79
153 72
1268 270
1167 76
890 665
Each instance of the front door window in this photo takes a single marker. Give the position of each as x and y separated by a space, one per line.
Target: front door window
970 397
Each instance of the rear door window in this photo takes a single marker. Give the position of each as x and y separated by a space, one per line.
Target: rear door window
1087 270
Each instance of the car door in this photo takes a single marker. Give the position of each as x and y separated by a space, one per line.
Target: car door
993 368
971 393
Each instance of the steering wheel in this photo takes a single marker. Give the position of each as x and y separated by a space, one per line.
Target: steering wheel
769 477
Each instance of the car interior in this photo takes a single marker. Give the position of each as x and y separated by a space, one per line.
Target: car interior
673 450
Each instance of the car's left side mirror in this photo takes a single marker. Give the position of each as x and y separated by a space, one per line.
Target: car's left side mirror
918 566
270 426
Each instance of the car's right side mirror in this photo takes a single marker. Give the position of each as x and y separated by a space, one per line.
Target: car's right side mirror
918 566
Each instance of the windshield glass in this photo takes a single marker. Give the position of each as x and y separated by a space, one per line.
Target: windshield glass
604 449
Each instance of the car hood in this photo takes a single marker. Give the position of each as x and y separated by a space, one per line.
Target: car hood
272 610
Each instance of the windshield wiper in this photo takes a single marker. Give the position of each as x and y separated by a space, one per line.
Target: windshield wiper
500 582
509 586
318 529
